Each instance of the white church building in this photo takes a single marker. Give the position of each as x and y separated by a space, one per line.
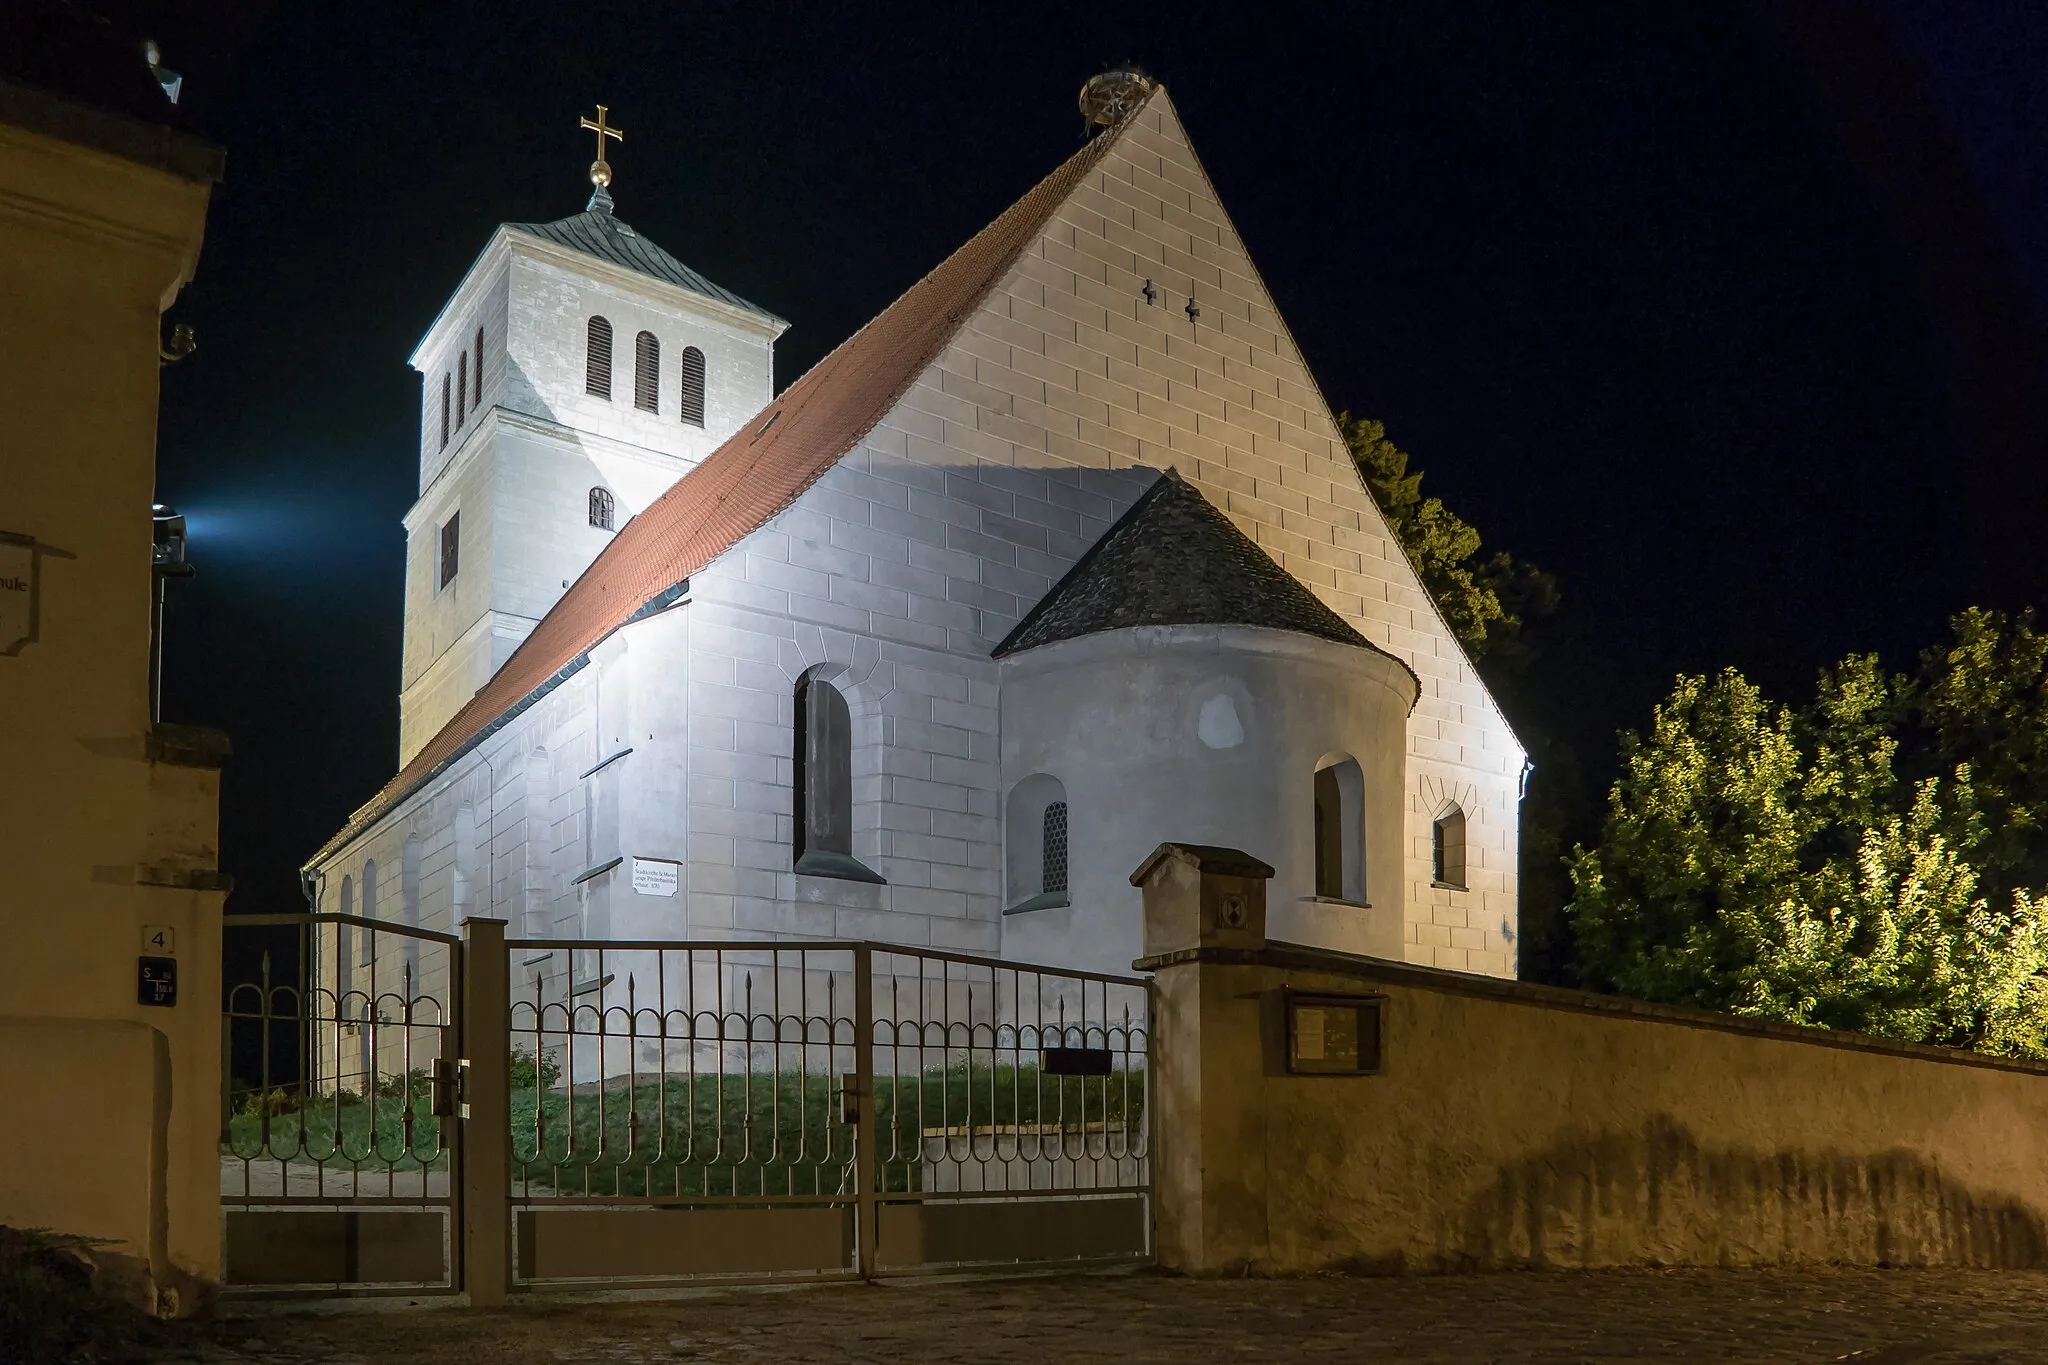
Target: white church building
1059 557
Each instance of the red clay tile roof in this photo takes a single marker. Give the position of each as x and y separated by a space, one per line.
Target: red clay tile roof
781 452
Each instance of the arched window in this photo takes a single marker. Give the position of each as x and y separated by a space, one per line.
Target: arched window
463 873
646 373
409 909
446 381
461 389
597 359
368 938
823 806
1447 849
601 507
344 945
1340 830
690 397
1036 850
476 396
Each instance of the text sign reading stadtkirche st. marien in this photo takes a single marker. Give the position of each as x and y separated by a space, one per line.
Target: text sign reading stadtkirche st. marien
654 877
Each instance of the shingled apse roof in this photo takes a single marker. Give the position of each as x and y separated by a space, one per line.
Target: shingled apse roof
597 232
756 474
1174 560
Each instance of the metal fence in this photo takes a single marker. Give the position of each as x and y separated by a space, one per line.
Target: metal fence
807 1100
408 1110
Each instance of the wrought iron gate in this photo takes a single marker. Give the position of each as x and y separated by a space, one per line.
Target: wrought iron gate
339 1040
653 1112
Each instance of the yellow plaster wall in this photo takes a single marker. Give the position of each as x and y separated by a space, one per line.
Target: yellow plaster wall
111 1109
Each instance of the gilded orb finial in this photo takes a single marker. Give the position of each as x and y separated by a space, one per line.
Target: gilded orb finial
600 169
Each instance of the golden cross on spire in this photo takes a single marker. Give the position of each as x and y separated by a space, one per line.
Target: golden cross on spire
600 169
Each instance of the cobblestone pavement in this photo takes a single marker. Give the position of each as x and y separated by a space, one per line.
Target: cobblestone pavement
1871 1317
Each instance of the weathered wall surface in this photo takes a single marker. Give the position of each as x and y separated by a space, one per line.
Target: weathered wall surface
1521 1126
107 821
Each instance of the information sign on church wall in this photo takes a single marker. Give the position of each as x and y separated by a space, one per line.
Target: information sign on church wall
654 877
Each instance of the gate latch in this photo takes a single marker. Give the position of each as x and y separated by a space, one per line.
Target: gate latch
849 1099
451 1085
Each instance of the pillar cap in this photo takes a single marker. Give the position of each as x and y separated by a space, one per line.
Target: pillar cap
1210 858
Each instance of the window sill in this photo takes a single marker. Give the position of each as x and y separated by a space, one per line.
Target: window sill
837 866
1048 900
1449 886
1337 900
597 871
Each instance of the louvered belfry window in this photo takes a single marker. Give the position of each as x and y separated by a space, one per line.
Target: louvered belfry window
646 373
1054 880
476 396
461 389
691 397
601 506
445 382
597 361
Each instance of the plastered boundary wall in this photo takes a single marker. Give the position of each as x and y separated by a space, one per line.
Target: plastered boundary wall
1516 1125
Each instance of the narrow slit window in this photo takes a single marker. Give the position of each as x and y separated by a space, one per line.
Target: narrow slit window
1447 849
451 548
601 507
1329 814
597 359
1053 880
476 397
647 373
446 384
690 395
461 389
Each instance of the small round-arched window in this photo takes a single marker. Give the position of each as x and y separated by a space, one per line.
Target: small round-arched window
601 508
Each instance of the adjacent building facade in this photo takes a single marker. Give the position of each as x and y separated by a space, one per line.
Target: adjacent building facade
1059 557
112 1082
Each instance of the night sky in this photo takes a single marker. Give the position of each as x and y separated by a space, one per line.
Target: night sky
1730 319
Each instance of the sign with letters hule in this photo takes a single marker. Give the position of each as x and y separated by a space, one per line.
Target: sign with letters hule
17 591
654 877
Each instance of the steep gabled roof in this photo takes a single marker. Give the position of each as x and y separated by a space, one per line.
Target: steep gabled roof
1174 560
596 232
756 474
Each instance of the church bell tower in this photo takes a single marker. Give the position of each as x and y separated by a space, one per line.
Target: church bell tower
575 374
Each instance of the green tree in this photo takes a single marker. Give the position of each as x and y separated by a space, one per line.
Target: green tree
1484 602
1981 698
1775 864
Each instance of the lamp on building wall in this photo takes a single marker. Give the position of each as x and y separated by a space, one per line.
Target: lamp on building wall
167 561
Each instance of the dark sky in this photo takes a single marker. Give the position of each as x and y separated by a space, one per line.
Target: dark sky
1729 317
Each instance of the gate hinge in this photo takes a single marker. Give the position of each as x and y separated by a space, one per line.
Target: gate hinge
451 1087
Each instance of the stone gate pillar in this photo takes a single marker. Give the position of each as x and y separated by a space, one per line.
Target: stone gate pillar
1204 904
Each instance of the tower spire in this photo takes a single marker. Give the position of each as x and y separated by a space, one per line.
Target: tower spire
600 169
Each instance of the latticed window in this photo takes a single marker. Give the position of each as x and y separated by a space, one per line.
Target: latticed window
476 396
646 373
601 508
1054 881
597 358
451 548
445 383
461 389
690 398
